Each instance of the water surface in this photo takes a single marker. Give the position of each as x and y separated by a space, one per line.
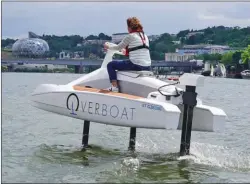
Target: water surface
39 146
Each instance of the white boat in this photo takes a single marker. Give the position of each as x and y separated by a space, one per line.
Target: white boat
223 70
212 71
245 74
143 102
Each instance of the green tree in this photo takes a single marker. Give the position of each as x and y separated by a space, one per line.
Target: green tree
6 42
199 57
183 33
236 57
246 55
216 57
232 36
227 58
206 57
102 36
157 55
92 37
161 47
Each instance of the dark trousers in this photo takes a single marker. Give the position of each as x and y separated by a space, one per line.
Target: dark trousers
123 66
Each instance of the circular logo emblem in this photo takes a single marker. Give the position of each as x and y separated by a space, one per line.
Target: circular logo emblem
72 102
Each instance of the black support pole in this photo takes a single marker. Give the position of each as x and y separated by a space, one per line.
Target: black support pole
77 69
85 134
81 68
132 139
189 101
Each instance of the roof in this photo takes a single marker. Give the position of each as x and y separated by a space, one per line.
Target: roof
204 46
120 34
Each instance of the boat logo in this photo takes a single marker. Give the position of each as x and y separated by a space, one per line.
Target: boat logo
152 107
72 103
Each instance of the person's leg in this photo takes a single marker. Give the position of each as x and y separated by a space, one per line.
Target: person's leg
120 66
112 72
141 68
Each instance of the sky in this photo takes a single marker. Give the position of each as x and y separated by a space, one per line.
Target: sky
85 18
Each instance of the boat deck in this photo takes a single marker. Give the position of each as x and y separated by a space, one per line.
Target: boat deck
103 91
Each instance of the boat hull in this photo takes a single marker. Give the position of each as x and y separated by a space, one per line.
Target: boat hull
106 107
205 118
245 77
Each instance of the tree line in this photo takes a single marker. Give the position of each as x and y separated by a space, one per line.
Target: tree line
220 35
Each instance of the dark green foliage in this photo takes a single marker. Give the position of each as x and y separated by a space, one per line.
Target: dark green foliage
232 36
6 42
209 57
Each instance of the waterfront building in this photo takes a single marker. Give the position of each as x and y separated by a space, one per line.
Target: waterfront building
118 37
178 57
203 49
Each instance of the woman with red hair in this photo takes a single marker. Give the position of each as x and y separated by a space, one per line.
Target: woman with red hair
136 45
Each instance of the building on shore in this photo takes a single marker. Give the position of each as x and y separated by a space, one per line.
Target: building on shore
65 54
152 38
188 52
33 46
98 42
118 37
178 57
176 42
204 49
39 66
194 33
33 35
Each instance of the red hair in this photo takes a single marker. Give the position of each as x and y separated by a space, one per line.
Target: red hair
135 24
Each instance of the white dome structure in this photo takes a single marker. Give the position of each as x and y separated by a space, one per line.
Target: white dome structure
30 47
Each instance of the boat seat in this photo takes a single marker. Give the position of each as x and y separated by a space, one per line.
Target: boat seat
135 74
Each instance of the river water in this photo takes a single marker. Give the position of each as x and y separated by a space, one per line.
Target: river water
39 146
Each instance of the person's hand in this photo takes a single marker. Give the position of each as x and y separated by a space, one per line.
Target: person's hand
123 51
106 47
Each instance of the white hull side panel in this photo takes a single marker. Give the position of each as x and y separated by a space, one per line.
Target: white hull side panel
206 118
113 110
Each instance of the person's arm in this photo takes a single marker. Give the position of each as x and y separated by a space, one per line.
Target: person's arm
123 44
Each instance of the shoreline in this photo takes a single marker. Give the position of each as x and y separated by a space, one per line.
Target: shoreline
229 76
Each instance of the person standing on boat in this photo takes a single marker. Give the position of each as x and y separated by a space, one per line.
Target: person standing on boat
136 46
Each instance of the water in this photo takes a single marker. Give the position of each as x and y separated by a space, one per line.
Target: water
39 146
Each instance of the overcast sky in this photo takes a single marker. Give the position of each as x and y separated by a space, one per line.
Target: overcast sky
85 18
